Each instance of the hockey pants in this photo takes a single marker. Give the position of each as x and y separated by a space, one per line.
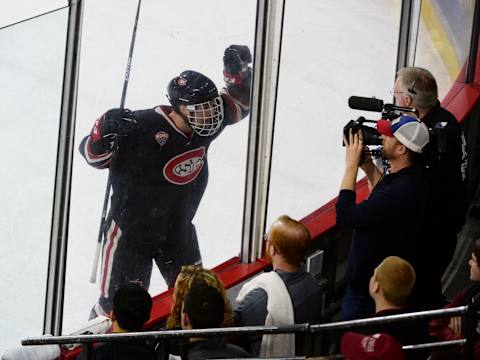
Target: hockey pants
125 260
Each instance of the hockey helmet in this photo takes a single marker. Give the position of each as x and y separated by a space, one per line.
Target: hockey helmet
200 96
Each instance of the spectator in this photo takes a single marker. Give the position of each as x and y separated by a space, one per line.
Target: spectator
203 308
366 347
132 305
390 287
451 329
446 157
284 296
182 284
390 221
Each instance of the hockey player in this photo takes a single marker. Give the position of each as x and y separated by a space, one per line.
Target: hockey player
159 171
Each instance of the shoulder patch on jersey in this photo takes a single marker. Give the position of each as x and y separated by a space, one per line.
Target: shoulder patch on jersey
184 168
161 137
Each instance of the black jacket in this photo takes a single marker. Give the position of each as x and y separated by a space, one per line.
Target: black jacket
388 223
120 351
213 348
446 156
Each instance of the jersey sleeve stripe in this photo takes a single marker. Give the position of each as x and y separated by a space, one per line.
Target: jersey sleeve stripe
98 161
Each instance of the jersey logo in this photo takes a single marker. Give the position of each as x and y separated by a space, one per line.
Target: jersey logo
96 131
184 168
181 81
161 137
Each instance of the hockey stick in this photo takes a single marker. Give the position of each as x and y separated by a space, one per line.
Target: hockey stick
93 275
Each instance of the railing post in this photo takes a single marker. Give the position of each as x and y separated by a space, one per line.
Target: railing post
469 327
87 349
308 343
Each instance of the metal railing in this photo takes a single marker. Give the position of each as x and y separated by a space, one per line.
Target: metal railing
469 315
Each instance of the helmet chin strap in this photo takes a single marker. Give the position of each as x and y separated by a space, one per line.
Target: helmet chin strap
179 112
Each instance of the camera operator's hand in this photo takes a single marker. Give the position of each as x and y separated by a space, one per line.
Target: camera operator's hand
370 169
353 149
353 158
366 163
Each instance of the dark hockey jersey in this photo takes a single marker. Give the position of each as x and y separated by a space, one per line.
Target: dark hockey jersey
158 174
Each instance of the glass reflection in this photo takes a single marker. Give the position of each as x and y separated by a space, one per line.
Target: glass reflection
444 39
161 175
12 11
31 69
324 62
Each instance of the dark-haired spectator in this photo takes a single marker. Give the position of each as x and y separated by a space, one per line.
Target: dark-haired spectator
183 283
451 329
132 305
390 221
356 346
203 308
284 296
390 287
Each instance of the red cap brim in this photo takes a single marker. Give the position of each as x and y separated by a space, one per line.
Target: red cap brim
384 127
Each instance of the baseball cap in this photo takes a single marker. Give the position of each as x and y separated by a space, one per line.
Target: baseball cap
410 131
356 346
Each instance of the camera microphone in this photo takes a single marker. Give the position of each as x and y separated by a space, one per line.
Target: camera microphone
365 103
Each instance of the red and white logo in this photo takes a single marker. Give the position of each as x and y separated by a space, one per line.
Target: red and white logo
161 137
96 135
181 81
184 168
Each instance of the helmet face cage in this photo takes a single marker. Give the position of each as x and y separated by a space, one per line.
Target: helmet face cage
206 118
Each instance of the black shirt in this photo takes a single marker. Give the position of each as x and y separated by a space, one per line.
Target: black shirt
121 351
212 348
388 223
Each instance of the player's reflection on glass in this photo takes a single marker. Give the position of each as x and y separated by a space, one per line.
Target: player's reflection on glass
159 171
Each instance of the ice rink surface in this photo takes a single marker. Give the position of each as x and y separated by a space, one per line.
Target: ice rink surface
330 51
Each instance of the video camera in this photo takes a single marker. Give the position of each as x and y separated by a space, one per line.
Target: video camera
438 134
370 135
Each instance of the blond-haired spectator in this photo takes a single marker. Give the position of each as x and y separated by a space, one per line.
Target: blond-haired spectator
391 284
390 288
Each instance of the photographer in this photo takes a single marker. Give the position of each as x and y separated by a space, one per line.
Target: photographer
390 221
445 156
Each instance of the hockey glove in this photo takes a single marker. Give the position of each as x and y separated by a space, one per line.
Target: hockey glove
109 127
235 61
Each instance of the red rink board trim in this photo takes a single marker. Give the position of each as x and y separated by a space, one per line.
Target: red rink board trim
231 273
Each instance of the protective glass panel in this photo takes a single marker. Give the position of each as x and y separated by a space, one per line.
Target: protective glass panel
331 50
31 69
171 37
443 41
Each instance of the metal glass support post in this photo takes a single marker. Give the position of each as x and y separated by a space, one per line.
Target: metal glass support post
404 34
268 39
61 201
472 57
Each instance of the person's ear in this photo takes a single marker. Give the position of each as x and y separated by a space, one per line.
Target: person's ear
401 149
112 316
408 101
375 286
185 321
